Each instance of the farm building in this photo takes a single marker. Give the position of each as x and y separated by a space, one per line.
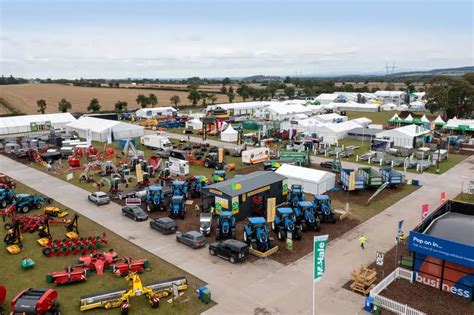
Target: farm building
101 128
331 133
406 136
443 249
31 123
314 181
229 134
241 108
356 107
156 112
246 195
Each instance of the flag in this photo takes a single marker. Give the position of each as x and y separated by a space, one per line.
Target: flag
319 254
400 230
424 211
443 197
89 137
109 136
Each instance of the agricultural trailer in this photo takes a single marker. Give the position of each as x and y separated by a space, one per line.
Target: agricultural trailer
323 208
305 214
225 225
371 176
300 158
344 179
391 176
256 235
284 224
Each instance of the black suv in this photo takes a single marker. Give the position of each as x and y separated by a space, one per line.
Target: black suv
233 250
165 225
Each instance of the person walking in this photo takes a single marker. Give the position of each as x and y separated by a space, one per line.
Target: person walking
362 240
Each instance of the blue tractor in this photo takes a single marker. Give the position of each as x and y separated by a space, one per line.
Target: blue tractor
284 224
7 196
322 204
179 188
25 202
225 225
296 195
177 207
195 185
305 214
256 234
155 198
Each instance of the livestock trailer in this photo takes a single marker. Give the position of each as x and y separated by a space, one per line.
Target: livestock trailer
372 177
391 176
345 180
255 155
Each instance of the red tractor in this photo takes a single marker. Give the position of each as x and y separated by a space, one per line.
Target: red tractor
36 302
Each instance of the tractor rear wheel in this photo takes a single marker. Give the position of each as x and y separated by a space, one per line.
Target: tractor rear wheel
8 226
25 209
4 204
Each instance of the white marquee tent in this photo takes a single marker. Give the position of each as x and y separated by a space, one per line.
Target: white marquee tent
194 124
404 136
331 133
28 123
100 128
313 181
155 112
229 134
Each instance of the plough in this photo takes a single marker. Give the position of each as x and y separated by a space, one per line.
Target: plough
121 298
80 245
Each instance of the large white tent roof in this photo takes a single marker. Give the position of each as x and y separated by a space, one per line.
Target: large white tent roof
313 181
100 127
285 109
21 123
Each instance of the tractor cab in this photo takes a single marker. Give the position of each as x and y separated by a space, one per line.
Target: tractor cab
196 183
177 206
284 224
296 194
256 235
179 188
323 208
7 196
219 176
225 225
306 216
154 198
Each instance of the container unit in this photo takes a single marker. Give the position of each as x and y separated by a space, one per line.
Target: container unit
391 176
372 177
344 180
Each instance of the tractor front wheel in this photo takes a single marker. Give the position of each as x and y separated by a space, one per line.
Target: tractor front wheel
25 209
4 204
206 164
38 205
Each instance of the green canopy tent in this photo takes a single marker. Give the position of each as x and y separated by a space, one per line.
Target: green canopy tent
408 119
439 122
395 119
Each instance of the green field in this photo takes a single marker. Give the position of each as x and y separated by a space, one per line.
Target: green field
17 279
465 197
453 159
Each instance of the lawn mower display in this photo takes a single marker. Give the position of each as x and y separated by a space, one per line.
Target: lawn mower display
284 224
225 226
13 239
296 195
305 214
256 235
155 198
78 246
55 212
178 207
36 302
322 205
121 298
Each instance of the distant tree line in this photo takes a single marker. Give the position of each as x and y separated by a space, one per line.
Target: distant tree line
11 80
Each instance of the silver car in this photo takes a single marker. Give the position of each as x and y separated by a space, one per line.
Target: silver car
99 198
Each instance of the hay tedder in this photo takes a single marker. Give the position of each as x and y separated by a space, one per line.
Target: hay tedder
121 298
77 246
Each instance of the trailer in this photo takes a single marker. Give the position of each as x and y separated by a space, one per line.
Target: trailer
255 156
392 177
371 176
345 178
300 158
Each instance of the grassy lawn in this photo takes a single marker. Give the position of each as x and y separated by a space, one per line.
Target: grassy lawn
17 279
453 159
465 197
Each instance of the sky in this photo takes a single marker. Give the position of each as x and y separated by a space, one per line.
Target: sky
218 38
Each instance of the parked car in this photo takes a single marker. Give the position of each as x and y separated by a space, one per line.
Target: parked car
165 225
134 212
193 239
233 250
327 164
99 198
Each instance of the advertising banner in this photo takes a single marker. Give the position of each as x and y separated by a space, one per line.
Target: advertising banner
443 197
235 205
424 211
319 255
271 205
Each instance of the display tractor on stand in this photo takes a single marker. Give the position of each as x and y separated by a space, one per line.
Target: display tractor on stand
155 198
25 202
284 225
7 197
323 208
296 195
195 185
306 216
219 176
178 207
36 302
225 225
256 235
121 298
179 188
212 161
13 239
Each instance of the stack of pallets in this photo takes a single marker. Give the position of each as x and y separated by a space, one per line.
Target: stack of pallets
363 280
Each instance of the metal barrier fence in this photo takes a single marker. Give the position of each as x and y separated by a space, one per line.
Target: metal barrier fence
389 304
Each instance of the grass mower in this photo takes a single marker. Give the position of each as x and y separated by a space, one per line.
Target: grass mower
55 212
13 239
67 247
36 302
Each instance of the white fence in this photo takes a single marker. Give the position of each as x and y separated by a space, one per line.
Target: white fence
389 304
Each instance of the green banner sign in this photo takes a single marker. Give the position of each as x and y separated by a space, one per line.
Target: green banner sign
319 254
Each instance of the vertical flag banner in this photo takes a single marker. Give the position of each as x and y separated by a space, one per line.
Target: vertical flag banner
399 231
319 255
89 137
443 197
352 177
139 173
424 211
271 206
109 136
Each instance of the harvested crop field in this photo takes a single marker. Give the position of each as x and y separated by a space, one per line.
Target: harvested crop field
23 97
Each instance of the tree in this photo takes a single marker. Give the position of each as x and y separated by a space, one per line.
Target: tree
469 77
226 81
230 96
290 91
142 100
175 100
212 98
204 97
152 99
94 105
194 96
223 90
121 105
454 97
287 80
64 105
390 87
244 92
41 106
348 88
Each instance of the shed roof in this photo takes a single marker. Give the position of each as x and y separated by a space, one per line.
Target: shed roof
455 227
304 173
248 182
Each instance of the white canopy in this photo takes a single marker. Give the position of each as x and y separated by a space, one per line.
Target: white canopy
409 118
313 181
229 134
395 117
23 123
424 119
99 128
439 120
194 124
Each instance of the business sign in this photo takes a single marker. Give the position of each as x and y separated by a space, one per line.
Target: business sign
133 201
443 197
379 258
319 255
215 192
458 253
69 176
424 211
235 205
271 206
257 191
222 202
